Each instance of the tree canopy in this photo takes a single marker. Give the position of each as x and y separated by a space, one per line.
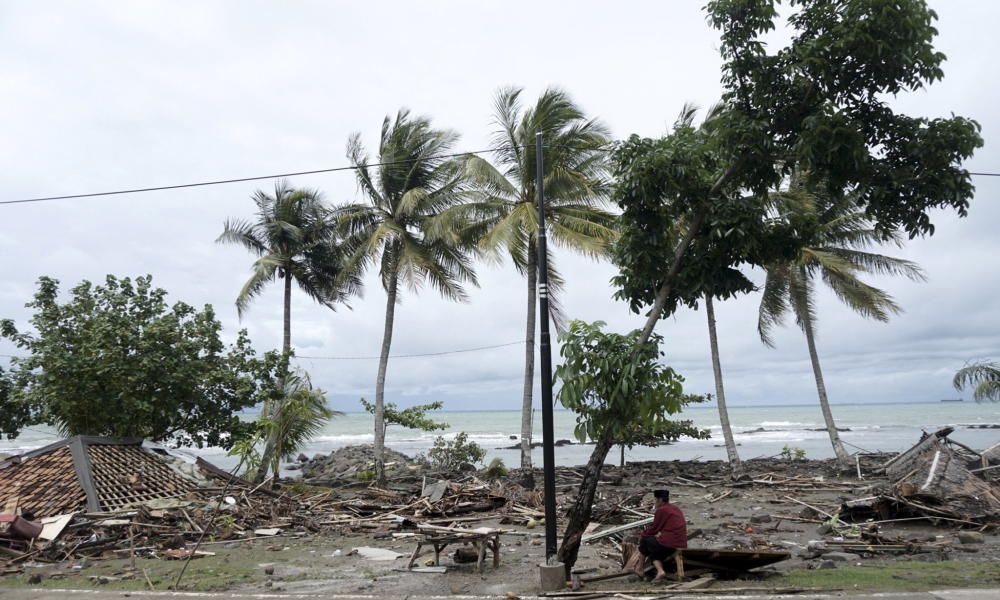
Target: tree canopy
819 104
118 360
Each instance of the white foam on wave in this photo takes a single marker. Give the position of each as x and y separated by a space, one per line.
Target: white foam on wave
344 438
786 424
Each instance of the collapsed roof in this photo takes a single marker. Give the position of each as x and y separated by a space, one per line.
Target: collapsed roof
84 473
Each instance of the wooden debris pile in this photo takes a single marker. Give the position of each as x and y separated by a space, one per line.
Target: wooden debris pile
164 528
937 478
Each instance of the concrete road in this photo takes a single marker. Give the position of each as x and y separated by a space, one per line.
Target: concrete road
54 594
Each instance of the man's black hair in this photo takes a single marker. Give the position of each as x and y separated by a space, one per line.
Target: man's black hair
662 495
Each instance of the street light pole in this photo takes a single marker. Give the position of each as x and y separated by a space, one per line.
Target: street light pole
545 352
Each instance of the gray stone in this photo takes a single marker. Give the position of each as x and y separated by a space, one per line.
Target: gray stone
970 537
826 564
760 518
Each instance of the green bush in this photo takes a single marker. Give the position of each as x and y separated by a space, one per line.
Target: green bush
451 455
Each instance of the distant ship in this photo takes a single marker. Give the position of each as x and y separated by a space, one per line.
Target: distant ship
952 400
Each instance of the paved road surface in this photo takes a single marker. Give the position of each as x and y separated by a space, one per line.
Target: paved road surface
50 594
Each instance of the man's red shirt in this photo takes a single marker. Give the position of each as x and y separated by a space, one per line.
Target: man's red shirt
669 527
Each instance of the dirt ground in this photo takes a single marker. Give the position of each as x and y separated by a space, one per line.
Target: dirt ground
771 516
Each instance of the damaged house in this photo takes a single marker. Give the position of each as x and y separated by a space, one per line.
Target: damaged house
91 474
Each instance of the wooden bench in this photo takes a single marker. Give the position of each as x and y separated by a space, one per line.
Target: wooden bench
480 541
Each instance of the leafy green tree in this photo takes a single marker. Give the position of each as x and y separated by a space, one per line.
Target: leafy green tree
735 231
117 360
819 103
450 455
400 227
985 376
618 390
414 417
838 255
506 212
294 239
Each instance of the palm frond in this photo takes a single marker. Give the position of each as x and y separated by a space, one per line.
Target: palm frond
773 304
264 271
985 376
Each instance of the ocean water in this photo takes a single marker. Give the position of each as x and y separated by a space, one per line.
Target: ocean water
873 427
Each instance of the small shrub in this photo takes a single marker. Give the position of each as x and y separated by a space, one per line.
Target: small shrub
451 455
496 468
365 475
791 453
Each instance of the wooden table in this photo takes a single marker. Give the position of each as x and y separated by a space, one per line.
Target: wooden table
480 541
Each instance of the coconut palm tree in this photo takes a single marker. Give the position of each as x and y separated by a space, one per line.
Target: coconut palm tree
400 227
720 391
985 376
506 214
838 255
294 239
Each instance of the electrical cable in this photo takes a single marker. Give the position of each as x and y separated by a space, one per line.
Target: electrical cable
375 357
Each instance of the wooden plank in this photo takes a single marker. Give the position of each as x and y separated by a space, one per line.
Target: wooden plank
618 529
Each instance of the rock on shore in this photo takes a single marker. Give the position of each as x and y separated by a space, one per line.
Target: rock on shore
348 462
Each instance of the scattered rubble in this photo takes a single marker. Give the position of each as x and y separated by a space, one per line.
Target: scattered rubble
825 515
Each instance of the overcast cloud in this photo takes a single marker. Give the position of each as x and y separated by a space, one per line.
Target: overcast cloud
112 95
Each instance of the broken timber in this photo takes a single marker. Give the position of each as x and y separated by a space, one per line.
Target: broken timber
616 530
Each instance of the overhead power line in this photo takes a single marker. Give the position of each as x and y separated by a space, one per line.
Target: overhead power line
195 184
442 353
375 357
239 179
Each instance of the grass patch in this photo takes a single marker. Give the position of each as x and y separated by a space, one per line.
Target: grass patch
908 575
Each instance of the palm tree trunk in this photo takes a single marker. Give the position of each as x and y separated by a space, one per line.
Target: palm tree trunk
383 364
527 474
269 410
720 392
824 403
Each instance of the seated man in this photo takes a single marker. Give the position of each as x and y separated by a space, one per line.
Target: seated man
667 533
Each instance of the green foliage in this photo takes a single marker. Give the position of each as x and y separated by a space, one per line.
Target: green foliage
792 453
985 376
660 185
665 432
300 414
365 475
246 450
414 417
616 385
117 360
496 468
294 236
450 455
821 103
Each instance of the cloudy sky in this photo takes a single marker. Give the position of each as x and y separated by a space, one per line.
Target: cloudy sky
111 95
